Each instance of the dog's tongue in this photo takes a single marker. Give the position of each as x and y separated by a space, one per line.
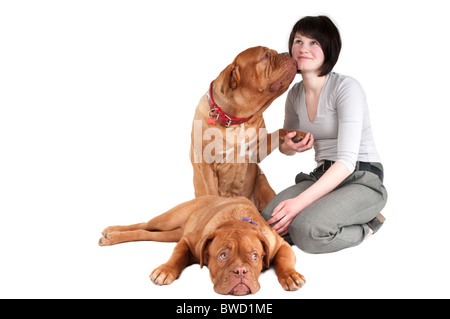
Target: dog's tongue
240 290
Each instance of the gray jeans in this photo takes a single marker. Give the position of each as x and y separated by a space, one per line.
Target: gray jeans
339 219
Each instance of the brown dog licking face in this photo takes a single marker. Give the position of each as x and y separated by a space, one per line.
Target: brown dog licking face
232 112
254 80
235 257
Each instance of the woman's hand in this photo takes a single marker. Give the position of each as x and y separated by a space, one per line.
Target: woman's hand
291 148
283 215
286 211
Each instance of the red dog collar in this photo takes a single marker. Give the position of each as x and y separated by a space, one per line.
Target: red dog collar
216 114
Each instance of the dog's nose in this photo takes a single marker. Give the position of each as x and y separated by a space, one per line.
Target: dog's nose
240 271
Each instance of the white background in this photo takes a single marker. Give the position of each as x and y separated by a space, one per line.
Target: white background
96 105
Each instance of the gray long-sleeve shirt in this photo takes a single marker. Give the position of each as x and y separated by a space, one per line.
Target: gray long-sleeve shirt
341 129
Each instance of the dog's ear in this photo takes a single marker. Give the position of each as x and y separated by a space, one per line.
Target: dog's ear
202 248
231 78
235 77
265 244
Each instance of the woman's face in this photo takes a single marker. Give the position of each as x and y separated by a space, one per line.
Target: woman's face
308 54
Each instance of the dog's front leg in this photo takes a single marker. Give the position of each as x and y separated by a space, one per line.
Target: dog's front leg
284 262
171 270
267 143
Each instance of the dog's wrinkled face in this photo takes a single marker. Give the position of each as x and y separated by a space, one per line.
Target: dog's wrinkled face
256 78
235 257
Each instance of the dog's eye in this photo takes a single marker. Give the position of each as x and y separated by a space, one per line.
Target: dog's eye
266 56
254 256
223 256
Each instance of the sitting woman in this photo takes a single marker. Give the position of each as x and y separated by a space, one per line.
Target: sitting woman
337 205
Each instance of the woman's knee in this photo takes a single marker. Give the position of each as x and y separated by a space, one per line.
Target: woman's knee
309 236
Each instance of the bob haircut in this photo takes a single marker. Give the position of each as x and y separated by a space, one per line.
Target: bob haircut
323 30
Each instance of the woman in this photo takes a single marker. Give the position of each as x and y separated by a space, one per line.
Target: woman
337 205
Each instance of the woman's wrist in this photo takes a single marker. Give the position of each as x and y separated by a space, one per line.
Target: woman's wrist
286 151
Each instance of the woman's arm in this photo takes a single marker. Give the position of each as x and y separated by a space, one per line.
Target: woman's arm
285 212
350 106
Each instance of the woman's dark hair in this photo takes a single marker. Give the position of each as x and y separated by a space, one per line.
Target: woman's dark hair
323 30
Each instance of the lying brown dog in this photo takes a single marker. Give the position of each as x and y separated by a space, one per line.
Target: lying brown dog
226 234
228 136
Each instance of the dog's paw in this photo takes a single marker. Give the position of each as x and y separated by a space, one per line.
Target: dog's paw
107 239
164 275
110 229
291 280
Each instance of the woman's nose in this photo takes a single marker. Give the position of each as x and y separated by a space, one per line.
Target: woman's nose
304 48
